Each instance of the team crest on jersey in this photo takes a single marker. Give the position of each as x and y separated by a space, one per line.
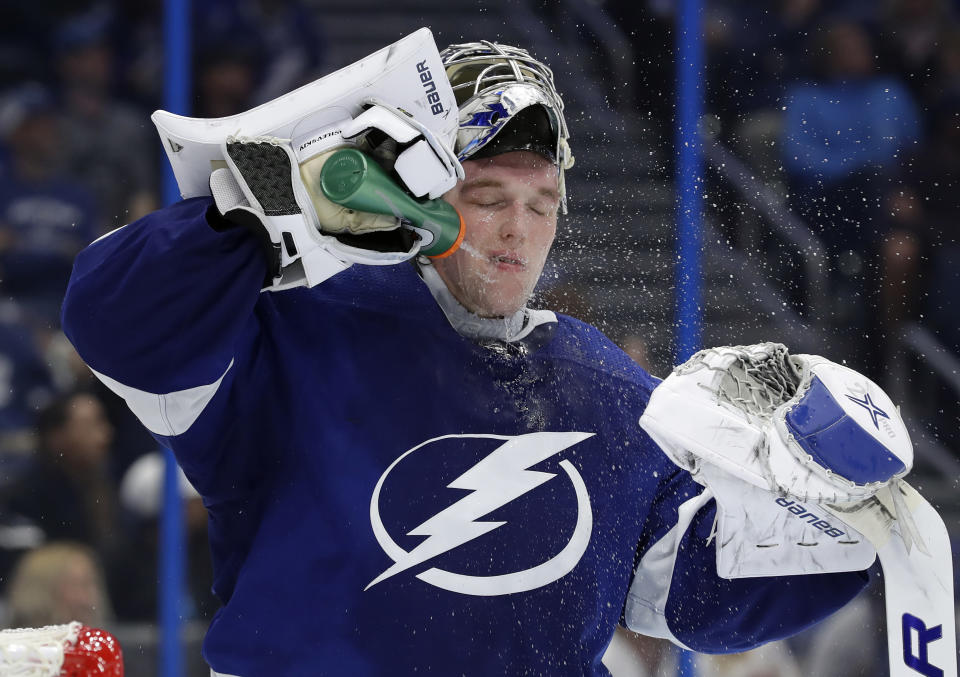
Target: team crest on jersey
487 513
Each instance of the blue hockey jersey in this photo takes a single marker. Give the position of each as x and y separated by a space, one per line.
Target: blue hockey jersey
388 497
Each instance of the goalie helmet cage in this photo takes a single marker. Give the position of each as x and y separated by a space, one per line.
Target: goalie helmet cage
70 650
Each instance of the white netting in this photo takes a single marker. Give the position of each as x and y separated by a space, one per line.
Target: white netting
754 379
36 652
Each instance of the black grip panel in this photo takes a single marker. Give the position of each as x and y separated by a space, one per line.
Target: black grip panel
265 167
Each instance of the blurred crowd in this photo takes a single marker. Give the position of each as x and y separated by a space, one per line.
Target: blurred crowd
852 108
850 111
80 479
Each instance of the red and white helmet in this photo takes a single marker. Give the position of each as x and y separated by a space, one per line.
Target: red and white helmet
507 101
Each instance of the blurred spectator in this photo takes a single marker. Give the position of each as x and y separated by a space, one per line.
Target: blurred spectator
225 81
283 35
23 39
252 51
109 146
843 138
769 660
843 135
141 495
911 31
68 492
903 277
754 51
58 583
46 217
293 44
945 83
749 72
935 168
907 229
137 40
852 642
25 387
798 17
130 438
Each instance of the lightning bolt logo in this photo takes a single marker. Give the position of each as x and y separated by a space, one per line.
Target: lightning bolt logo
495 481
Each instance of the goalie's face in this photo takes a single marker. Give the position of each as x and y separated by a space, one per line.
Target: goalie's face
509 203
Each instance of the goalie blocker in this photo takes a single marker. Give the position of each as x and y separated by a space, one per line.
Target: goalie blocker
263 166
805 459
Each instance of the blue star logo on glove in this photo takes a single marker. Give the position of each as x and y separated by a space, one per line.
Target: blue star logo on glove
868 404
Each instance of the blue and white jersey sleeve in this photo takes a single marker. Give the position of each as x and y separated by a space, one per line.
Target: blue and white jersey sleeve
160 310
677 594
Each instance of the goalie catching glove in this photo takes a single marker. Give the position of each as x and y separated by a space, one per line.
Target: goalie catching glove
805 459
274 190
797 425
776 438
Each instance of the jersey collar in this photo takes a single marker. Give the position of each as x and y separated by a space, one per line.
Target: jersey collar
511 329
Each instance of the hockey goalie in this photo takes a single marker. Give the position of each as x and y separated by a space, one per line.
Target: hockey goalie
408 469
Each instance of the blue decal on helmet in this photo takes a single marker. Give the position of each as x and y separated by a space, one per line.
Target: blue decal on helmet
487 118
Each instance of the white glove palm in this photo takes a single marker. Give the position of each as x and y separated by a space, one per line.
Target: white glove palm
335 218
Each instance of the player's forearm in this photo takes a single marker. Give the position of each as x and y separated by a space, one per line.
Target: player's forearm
677 593
711 614
157 304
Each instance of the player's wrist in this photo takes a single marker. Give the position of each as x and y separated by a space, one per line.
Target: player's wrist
217 221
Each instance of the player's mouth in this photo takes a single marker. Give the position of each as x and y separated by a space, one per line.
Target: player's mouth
508 261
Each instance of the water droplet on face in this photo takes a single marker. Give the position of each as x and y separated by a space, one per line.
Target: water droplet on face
470 249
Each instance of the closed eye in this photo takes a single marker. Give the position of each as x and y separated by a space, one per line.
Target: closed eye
484 195
542 209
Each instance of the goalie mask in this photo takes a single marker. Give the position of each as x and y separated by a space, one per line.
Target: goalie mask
507 102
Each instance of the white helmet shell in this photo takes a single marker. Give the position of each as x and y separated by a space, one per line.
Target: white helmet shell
494 82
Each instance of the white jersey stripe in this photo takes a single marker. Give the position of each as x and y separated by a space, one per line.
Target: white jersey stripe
650 588
169 414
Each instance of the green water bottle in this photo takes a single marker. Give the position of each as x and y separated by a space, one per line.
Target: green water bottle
354 180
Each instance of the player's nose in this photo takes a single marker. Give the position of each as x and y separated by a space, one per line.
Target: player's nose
515 223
